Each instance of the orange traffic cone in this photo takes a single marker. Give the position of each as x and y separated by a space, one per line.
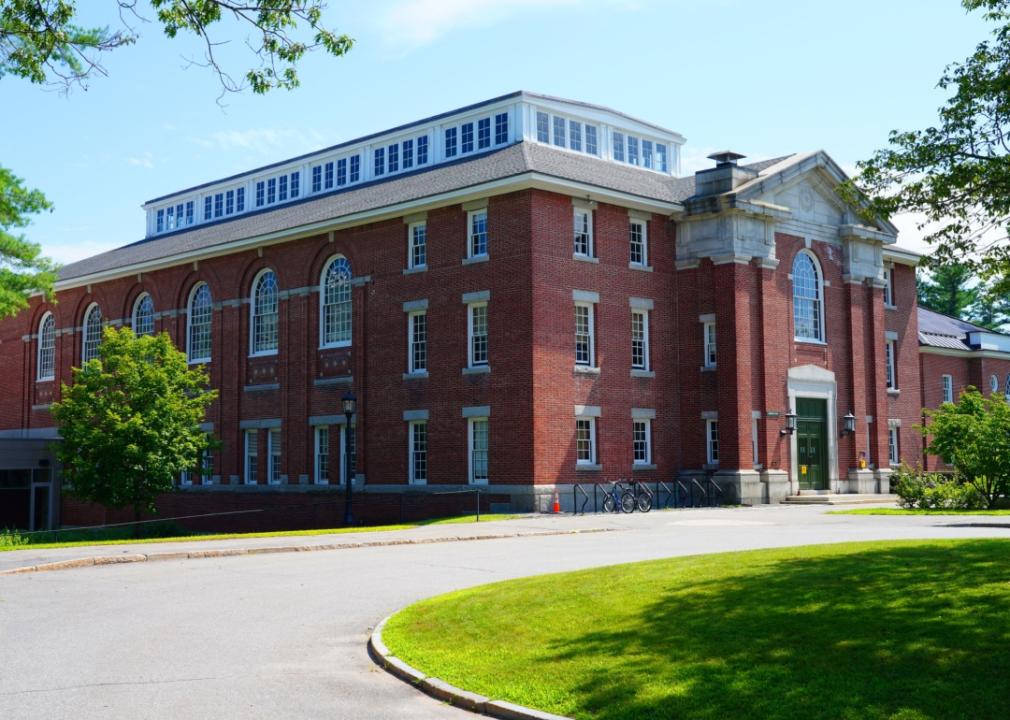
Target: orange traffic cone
557 503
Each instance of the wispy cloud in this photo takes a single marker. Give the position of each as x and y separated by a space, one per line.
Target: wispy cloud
144 160
260 140
409 24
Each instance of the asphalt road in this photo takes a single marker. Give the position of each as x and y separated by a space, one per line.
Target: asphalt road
283 636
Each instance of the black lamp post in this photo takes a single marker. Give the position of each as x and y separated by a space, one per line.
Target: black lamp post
349 402
790 427
849 423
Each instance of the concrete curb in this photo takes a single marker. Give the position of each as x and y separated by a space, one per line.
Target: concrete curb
270 549
441 690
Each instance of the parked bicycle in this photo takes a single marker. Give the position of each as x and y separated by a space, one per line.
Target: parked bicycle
627 497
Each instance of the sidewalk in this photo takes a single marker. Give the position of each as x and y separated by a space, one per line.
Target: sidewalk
31 559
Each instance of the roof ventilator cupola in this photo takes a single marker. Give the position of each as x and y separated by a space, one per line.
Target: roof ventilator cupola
725 176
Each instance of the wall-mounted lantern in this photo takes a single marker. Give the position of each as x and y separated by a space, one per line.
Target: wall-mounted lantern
790 427
849 424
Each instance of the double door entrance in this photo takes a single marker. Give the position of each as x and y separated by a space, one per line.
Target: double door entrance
812 443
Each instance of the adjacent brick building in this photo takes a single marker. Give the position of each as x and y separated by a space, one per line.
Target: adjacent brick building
522 294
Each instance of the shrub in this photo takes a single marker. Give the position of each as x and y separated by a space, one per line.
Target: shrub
935 491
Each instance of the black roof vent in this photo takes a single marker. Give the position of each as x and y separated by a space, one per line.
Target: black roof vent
725 157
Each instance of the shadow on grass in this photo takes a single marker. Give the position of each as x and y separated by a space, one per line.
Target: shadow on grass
906 632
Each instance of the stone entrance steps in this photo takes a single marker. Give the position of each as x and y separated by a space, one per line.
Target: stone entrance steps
839 499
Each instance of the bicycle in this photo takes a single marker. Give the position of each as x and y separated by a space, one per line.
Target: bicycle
623 498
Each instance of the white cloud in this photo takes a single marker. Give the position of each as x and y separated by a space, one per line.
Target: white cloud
260 140
145 160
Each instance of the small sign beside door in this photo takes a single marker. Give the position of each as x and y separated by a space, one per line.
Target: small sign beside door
803 469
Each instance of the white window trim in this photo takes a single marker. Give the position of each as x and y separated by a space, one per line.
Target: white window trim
411 370
470 362
136 307
322 302
709 424
245 456
316 476
821 285
592 334
470 450
410 245
889 287
592 441
84 331
189 319
947 386
271 434
755 454
252 316
645 243
591 249
648 441
890 350
646 362
707 328
38 351
893 448
410 453
469 234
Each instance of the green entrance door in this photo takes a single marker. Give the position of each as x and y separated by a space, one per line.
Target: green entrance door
812 443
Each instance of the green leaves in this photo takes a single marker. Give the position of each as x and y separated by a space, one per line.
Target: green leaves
130 422
23 269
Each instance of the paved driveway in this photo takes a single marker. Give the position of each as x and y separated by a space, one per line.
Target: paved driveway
283 636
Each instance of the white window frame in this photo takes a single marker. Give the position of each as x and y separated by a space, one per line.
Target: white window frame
592 459
317 436
275 458
647 423
712 441
820 336
247 477
412 478
472 450
893 445
43 349
889 287
253 295
576 224
472 361
891 376
709 346
947 387
470 216
591 335
411 229
645 364
755 456
136 308
189 325
85 345
412 316
644 225
324 342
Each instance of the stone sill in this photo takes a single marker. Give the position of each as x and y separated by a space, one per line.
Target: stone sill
893 392
588 468
585 258
650 466
638 373
474 260
479 370
415 270
643 268
415 375
586 370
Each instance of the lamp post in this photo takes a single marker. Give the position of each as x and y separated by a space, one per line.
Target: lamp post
349 402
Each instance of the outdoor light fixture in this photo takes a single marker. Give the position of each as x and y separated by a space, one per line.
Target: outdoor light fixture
790 427
849 423
350 403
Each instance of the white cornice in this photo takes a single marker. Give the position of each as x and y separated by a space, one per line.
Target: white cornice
968 354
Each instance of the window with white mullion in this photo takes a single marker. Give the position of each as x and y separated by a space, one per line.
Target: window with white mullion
478 444
641 430
583 232
640 339
265 314
46 363
417 342
891 374
477 331
639 253
92 335
143 316
710 347
585 441
274 456
712 442
198 324
947 383
477 224
417 252
584 340
322 447
893 447
417 432
335 297
251 457
808 318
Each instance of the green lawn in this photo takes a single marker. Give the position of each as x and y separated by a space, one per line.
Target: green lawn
903 511
901 630
169 533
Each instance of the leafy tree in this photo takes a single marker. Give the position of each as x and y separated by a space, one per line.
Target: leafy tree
957 173
23 270
130 422
974 436
992 308
40 40
944 289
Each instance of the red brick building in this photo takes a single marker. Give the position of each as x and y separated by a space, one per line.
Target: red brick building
522 294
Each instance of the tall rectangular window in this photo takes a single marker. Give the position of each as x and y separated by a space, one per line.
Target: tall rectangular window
393 157
584 339
418 451
417 342
274 456
632 150
641 438
408 154
543 128
661 163
575 135
618 149
559 132
322 444
229 202
296 184
709 341
484 133
208 208
591 144
477 330
450 142
712 442
271 191
893 449
477 245
260 194
583 232
189 211
380 162
501 128
169 218
477 440
240 200
218 205
947 382
585 441
892 376
354 173
317 178
640 339
466 138
160 227
417 255
638 242
422 150
889 285
341 173
282 188
647 154
251 457
754 441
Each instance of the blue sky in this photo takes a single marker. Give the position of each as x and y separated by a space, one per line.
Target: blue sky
761 78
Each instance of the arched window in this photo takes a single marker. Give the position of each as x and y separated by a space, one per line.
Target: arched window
92 337
46 369
1006 388
143 315
198 319
264 313
335 307
808 320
